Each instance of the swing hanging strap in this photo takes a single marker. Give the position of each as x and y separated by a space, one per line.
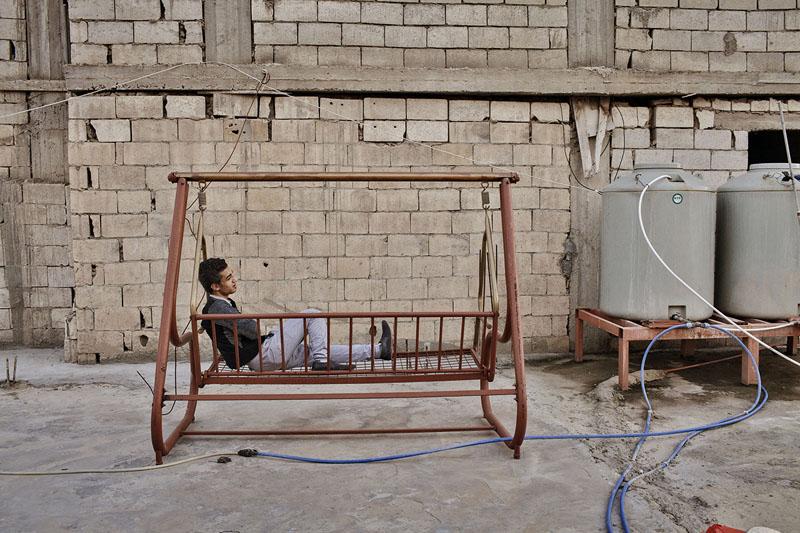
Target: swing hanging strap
200 247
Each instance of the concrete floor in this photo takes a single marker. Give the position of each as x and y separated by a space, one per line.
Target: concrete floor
68 417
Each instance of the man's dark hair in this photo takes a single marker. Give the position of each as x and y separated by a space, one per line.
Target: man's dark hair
209 270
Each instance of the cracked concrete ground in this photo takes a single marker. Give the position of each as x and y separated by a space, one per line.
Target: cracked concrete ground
68 417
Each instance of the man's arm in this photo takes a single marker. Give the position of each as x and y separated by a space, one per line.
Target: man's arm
246 327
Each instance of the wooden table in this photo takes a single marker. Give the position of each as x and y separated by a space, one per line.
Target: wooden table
627 331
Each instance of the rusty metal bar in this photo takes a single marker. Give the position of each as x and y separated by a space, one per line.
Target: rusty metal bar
467 177
290 432
343 395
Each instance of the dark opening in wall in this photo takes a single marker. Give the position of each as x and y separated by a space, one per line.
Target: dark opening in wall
768 147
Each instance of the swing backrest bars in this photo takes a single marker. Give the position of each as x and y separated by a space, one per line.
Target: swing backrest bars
169 332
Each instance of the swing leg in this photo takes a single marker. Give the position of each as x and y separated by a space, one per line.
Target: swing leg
486 403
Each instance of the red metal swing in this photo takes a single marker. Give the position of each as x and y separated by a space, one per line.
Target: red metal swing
458 361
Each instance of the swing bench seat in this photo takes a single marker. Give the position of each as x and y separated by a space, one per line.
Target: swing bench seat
455 347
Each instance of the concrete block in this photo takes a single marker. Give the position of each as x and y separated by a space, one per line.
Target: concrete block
234 105
92 107
380 13
262 11
91 9
674 138
386 223
751 42
777 4
367 245
721 62
792 62
194 32
91 154
729 160
747 5
148 296
480 37
507 15
134 54
339 56
362 35
740 140
688 19
200 130
516 133
633 138
783 41
448 245
469 132
279 246
296 10
341 109
78 32
137 9
381 57
140 153
397 200
439 200
649 17
315 33
467 15
705 119
296 107
410 155
95 251
491 154
154 130
385 108
365 155
134 201
547 59
123 225
175 54
186 9
507 58
447 37
117 318
384 130
708 41
338 11
423 15
469 110
652 156
431 222
145 248
531 154
192 153
123 177
713 139
727 20
282 153
529 38
140 107
261 222
426 130
425 58
634 39
365 289
112 130
673 117
293 130
653 60
547 16
98 297
672 40
110 32
43 193
405 37
553 134
510 111
765 62
88 54
693 159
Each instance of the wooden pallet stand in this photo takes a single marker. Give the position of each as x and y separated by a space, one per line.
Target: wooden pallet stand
627 330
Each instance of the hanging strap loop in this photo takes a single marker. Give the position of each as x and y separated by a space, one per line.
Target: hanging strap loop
200 247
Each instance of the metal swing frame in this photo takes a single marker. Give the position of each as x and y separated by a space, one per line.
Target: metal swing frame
467 362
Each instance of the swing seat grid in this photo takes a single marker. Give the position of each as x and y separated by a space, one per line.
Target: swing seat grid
468 355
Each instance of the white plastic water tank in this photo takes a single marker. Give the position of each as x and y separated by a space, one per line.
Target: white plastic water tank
679 217
758 244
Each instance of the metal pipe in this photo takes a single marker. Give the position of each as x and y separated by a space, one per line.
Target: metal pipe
343 176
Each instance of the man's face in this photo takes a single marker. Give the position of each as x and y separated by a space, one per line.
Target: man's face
226 285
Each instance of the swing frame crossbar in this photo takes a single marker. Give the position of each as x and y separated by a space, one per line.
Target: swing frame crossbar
476 358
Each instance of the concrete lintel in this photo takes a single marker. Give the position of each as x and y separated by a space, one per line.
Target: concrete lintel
490 82
43 86
753 121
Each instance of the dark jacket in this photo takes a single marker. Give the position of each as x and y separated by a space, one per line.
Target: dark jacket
246 329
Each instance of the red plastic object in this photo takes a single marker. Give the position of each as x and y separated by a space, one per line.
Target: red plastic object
716 528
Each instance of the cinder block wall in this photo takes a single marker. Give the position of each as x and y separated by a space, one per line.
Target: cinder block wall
100 247
345 247
708 35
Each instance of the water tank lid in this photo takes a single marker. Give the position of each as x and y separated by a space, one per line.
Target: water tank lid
679 179
762 177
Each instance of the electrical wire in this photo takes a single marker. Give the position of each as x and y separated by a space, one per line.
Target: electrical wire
720 313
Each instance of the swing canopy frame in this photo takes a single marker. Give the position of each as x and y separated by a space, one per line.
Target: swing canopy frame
460 361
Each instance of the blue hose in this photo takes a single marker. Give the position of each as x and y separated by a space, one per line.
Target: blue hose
757 405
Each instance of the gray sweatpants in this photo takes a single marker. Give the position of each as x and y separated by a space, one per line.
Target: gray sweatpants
294 350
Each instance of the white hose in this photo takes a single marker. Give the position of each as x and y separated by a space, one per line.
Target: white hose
118 470
720 313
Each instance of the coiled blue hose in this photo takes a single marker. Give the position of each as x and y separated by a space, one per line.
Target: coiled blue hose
757 405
